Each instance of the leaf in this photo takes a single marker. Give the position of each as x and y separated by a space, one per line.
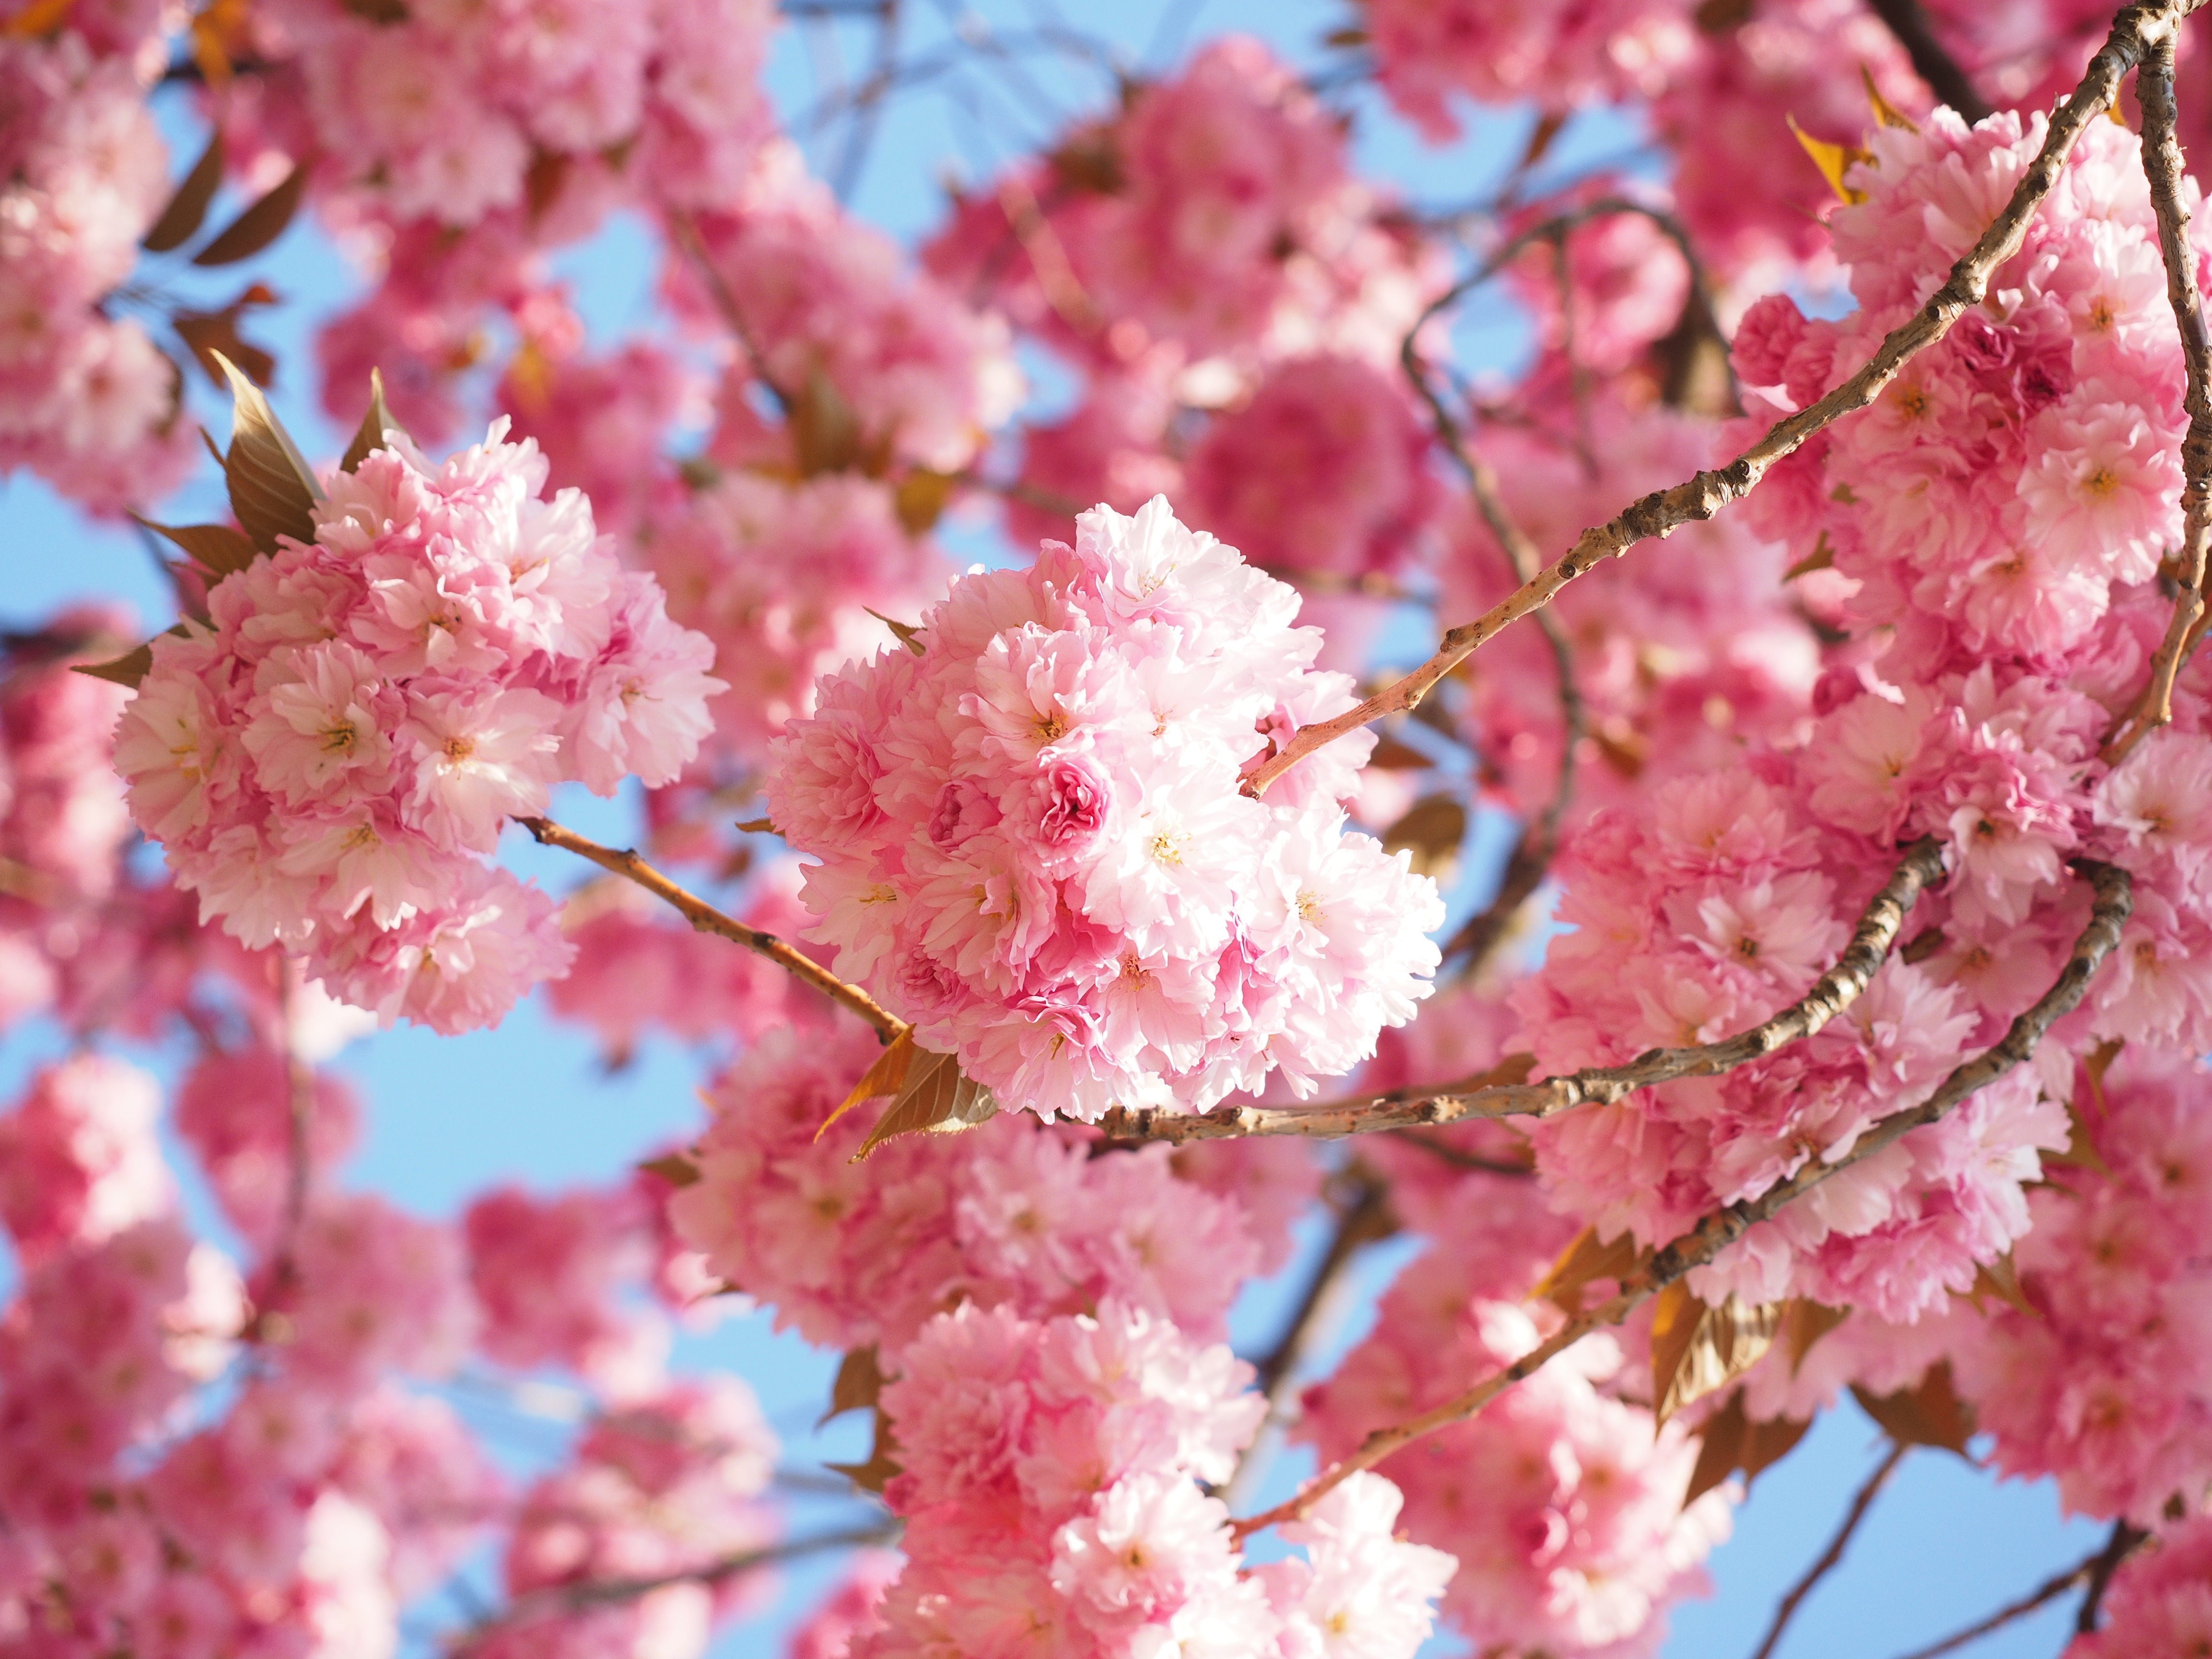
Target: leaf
872 1475
1549 125
937 1099
1586 1259
758 827
542 184
273 491
1393 756
213 336
37 19
378 11
860 1383
1885 111
1432 831
260 224
128 669
1731 1443
920 499
1719 16
676 1168
1696 1349
908 635
1344 37
825 432
369 436
1999 1280
886 1077
189 206
1928 1414
1804 1323
1833 160
1822 557
215 547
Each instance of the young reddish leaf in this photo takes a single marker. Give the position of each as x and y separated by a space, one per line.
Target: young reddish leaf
128 669
1999 1280
213 336
1822 557
859 1383
881 1466
1432 830
1393 756
825 432
886 1077
189 206
273 491
370 435
1928 1414
908 635
937 1099
1696 1349
37 19
1804 1323
676 1169
1730 1442
1582 1261
215 547
920 500
260 224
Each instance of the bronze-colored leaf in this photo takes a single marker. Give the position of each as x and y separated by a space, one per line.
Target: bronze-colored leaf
882 1464
886 1077
1928 1414
1512 1070
1719 16
676 1169
758 827
825 432
1885 111
1344 37
1549 125
1732 1443
1696 1349
921 498
1393 756
1833 160
213 336
37 19
860 1383
378 11
1822 557
128 669
1432 830
273 491
542 184
369 436
1804 1323
937 1099
189 206
1999 1281
1921 945
260 224
908 635
1587 1259
215 547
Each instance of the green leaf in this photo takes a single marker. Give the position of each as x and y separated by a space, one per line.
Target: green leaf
273 491
370 435
215 547
189 206
936 1098
259 225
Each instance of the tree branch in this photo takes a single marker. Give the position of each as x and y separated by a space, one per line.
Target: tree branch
706 919
2049 1590
1700 497
1834 1553
1830 993
2163 166
1931 62
2125 1541
1695 1249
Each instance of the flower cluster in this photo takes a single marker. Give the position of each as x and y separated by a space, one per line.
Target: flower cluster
1065 1455
1035 848
328 757
2160 1601
86 400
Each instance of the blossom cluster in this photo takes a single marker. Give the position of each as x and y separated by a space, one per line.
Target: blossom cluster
327 757
87 400
1065 1455
1035 849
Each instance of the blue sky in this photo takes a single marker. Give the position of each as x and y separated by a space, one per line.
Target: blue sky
531 1102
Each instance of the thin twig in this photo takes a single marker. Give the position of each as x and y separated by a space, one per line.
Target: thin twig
1452 1155
554 1600
1834 1553
1717 1231
684 231
706 919
1830 993
1700 497
2164 167
2049 1590
2125 1541
1931 62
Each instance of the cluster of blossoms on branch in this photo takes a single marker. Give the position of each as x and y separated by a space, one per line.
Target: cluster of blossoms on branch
1069 854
